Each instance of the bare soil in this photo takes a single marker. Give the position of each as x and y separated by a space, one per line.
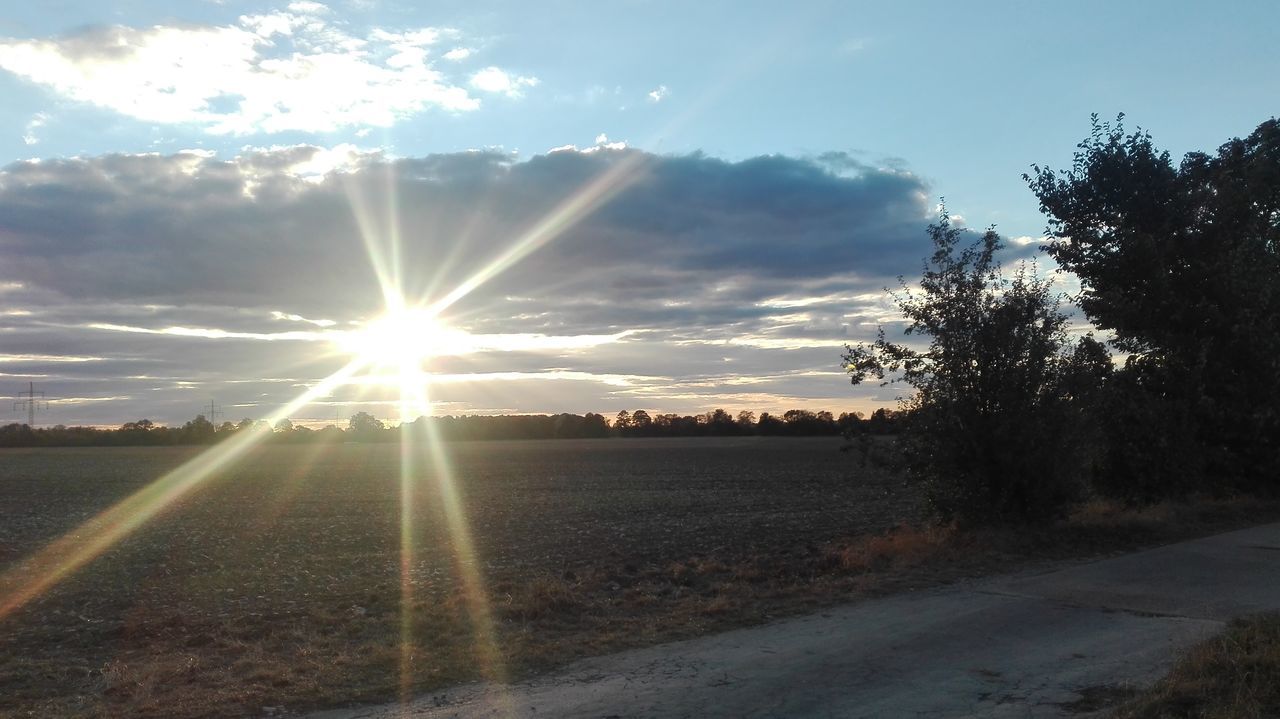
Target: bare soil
279 583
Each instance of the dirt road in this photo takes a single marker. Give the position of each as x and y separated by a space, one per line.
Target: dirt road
1050 644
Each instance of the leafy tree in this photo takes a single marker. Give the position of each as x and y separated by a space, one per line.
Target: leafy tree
720 422
641 422
594 425
198 430
989 429
769 425
365 427
142 425
1182 263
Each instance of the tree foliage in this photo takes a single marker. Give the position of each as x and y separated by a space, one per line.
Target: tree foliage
1182 264
993 427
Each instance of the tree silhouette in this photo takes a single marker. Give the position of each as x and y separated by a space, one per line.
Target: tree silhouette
989 428
365 427
1182 264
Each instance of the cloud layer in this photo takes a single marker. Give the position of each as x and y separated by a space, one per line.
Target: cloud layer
295 69
701 283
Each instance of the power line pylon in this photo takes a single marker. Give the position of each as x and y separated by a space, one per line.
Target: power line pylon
215 411
33 401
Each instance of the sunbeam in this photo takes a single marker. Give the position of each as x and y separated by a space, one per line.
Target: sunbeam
407 336
578 206
62 557
475 593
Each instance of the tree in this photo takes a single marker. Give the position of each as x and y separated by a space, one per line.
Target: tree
720 422
1181 263
769 425
284 425
641 422
198 430
142 425
989 428
594 425
365 427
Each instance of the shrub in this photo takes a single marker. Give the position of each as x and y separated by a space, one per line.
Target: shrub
996 427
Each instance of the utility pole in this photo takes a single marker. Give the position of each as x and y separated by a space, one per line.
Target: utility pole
34 401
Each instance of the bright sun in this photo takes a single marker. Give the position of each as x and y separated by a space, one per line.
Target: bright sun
399 339
396 347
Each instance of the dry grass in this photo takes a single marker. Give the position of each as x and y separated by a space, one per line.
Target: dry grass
1233 676
905 545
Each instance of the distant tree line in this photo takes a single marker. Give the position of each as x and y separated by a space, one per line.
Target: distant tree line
1012 421
364 427
719 423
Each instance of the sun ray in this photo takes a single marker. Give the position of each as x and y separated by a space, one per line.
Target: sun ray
290 486
388 281
475 593
408 477
391 196
65 555
577 207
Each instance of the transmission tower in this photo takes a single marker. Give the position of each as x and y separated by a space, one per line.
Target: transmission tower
33 401
215 411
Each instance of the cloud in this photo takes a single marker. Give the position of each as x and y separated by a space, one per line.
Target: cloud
195 274
37 121
294 69
658 94
458 53
495 80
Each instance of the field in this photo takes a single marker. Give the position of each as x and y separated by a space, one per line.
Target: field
278 583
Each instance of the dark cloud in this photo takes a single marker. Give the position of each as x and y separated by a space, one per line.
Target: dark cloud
715 265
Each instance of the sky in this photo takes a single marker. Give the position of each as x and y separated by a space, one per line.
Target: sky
564 207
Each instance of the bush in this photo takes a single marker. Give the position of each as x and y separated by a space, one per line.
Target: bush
996 428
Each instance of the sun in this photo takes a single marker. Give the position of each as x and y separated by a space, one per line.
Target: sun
400 339
396 348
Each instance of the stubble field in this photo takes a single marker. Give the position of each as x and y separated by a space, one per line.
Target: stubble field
279 585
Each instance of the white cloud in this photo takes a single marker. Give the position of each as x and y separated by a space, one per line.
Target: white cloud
659 93
603 143
458 53
305 6
496 80
38 121
274 72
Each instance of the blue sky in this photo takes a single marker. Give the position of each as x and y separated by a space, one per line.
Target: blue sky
868 112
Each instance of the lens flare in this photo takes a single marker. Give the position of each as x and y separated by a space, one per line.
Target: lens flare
405 338
62 557
401 340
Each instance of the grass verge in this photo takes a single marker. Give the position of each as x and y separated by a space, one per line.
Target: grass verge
1235 675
